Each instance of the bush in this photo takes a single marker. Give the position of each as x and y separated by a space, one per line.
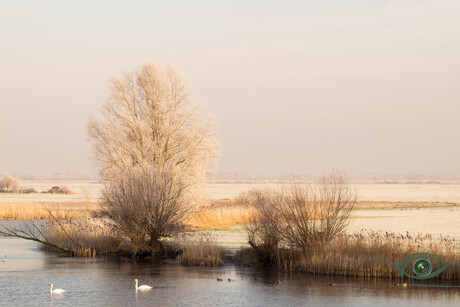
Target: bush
263 228
297 216
58 190
28 190
145 207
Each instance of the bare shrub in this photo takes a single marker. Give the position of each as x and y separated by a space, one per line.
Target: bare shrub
298 216
263 227
28 191
315 214
146 206
9 184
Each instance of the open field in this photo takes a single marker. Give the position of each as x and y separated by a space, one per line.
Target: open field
434 218
444 192
37 211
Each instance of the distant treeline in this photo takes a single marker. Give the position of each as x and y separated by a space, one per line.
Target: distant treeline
240 176
56 176
377 177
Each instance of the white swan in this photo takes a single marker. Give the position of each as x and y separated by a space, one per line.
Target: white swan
143 287
56 290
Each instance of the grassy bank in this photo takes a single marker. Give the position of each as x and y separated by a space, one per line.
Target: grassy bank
78 226
366 254
216 213
96 237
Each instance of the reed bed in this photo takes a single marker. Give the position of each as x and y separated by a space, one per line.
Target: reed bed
97 237
367 254
87 237
38 211
220 214
200 249
375 254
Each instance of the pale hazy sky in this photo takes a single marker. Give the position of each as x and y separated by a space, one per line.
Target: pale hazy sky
295 86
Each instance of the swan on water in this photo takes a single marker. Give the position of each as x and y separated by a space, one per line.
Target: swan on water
56 290
143 287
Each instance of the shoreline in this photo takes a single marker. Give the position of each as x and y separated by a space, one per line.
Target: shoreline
26 210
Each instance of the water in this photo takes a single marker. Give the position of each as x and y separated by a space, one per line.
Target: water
26 272
90 191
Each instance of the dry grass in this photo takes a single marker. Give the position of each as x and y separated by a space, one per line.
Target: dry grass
87 237
92 237
365 254
403 205
221 213
201 249
228 213
375 254
218 213
36 211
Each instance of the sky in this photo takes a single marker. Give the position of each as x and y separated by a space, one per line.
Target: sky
294 86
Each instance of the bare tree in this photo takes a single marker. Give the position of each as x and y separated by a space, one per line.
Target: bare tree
150 119
9 184
145 206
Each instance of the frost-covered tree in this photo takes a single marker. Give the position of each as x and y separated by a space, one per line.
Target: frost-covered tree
151 120
9 184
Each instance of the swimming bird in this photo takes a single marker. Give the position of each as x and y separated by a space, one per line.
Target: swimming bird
332 284
219 279
231 280
143 287
56 290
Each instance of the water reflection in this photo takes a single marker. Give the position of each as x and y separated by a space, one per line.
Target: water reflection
25 275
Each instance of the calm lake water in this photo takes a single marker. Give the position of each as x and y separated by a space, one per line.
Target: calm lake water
26 271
